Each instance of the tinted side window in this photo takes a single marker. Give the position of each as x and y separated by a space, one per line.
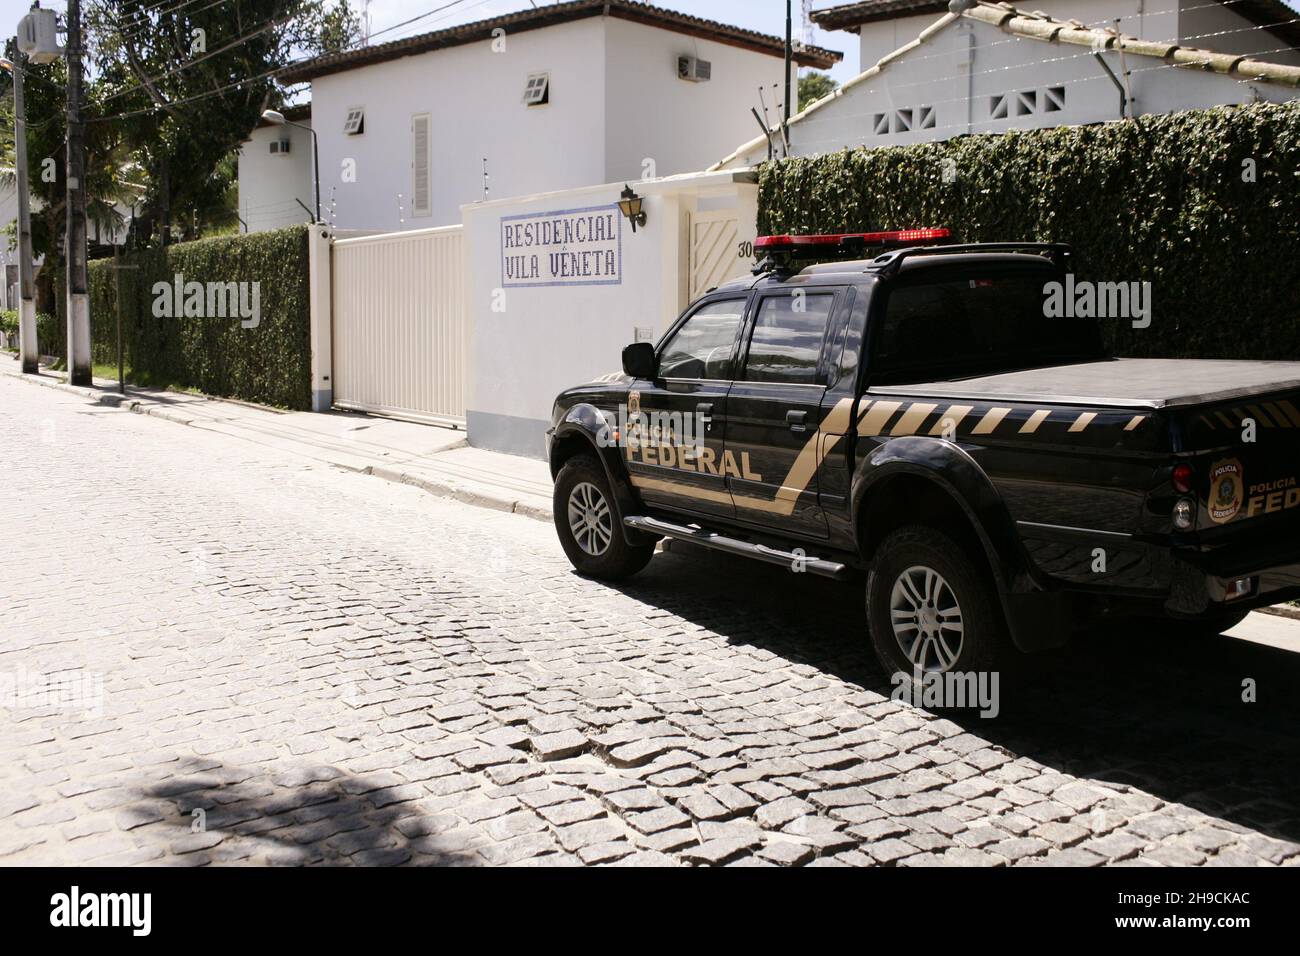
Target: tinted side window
787 340
975 324
701 348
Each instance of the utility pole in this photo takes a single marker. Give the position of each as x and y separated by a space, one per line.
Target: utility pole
28 348
78 299
789 50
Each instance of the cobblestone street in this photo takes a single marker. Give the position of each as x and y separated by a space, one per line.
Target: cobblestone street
275 661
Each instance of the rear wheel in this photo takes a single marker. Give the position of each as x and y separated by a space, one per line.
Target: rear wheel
932 608
587 522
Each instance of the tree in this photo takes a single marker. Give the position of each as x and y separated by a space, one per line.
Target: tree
108 169
187 81
172 88
814 86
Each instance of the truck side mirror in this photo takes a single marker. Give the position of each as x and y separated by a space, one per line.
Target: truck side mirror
639 360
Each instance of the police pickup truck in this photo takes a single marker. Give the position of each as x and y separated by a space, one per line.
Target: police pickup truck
917 420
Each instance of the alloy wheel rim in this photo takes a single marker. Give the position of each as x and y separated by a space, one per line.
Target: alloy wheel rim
590 520
926 619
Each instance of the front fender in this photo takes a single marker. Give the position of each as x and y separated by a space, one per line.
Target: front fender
1036 618
586 423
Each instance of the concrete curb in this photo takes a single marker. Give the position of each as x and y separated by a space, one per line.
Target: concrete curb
449 488
443 488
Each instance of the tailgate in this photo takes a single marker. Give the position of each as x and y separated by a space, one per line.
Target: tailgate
1246 461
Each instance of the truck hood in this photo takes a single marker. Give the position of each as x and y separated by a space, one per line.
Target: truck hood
1126 383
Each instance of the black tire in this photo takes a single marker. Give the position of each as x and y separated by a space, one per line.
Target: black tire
602 552
984 646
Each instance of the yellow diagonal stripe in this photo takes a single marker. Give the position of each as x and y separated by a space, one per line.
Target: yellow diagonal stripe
954 414
1278 414
912 419
1036 419
992 418
1262 415
1291 412
876 417
1083 421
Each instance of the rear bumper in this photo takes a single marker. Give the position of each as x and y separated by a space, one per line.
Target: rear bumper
1204 579
1188 577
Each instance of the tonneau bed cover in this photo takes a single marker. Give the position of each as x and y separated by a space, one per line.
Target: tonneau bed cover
1125 383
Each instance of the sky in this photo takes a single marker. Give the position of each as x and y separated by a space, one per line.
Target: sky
765 16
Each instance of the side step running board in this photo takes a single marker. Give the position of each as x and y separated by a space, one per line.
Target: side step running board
746 549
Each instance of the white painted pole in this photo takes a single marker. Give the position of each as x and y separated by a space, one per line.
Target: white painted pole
28 349
75 239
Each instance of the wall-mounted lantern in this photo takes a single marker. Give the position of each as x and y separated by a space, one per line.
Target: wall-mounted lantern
630 205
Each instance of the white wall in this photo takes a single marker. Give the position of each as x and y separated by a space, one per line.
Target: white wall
552 337
1149 19
682 126
8 255
474 97
269 183
936 76
615 100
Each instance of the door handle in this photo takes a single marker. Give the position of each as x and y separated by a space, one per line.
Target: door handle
798 421
705 410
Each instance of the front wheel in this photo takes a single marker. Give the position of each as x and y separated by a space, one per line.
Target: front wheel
932 609
586 520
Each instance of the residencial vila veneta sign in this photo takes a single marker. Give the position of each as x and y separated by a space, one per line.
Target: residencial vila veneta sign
566 247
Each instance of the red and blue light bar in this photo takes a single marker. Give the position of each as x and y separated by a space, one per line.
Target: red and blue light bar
790 243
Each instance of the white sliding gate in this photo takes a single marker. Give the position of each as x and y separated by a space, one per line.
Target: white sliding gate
400 338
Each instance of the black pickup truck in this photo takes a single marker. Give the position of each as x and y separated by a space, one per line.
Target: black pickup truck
914 418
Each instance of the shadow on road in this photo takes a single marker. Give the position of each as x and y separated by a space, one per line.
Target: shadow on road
1139 709
313 815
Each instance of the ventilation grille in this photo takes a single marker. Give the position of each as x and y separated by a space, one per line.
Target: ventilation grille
903 120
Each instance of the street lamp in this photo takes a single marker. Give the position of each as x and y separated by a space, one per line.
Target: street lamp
276 118
629 203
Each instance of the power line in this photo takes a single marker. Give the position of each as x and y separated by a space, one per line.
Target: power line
139 29
201 96
395 26
240 83
207 56
947 54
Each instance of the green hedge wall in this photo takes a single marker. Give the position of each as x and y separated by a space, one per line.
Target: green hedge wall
269 364
1164 199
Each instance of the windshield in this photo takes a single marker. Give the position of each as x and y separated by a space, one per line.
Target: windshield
975 324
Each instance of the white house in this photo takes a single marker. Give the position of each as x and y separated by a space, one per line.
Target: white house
8 256
559 97
930 74
275 174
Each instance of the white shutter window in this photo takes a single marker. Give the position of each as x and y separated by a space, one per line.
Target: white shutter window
538 90
355 123
421 190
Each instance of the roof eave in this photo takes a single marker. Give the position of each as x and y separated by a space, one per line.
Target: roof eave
817 57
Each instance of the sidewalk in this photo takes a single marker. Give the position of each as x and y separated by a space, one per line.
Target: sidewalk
435 458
